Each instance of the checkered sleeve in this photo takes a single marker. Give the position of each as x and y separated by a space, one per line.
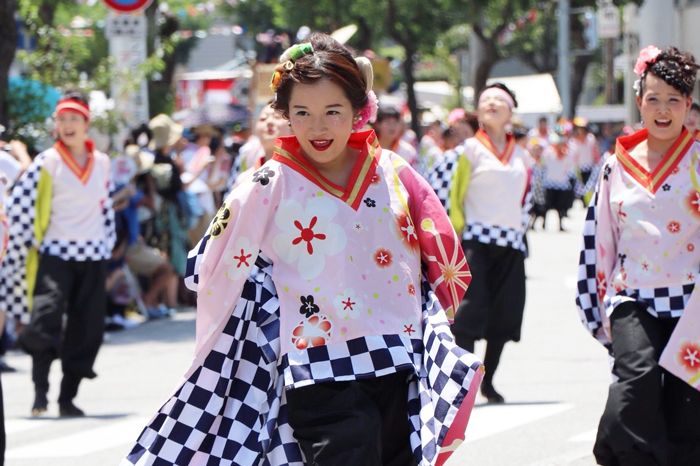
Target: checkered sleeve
447 386
108 214
21 214
593 270
440 177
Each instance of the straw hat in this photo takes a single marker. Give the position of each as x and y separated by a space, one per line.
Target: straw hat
206 130
165 131
142 159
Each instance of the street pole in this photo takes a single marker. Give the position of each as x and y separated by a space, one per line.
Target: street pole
564 68
609 72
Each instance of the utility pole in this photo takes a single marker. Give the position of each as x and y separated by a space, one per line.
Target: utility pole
609 72
564 73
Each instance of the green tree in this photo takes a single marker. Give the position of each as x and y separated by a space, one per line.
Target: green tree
530 34
413 24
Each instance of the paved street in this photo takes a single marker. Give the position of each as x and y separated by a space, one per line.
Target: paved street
554 381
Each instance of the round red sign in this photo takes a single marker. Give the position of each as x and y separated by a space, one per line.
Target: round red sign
128 6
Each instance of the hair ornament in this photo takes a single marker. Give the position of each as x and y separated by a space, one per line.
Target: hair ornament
286 62
647 56
296 51
368 112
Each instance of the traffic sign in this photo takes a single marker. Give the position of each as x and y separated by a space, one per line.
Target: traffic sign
128 6
608 20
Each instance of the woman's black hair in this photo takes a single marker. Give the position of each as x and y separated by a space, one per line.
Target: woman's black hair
677 68
503 87
75 94
387 112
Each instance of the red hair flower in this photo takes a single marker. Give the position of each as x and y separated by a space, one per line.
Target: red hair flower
647 56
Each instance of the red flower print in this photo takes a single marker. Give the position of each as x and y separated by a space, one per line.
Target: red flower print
383 258
312 332
619 282
602 286
375 179
673 226
307 234
620 213
692 203
689 356
411 290
675 170
407 230
690 247
690 276
348 304
242 259
408 329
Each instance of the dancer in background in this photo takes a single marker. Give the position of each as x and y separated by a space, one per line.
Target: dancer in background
639 266
61 236
489 183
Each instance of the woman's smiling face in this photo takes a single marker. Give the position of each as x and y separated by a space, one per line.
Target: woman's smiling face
663 108
322 117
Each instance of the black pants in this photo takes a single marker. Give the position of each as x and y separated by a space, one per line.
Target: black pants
78 290
651 416
493 305
2 428
357 423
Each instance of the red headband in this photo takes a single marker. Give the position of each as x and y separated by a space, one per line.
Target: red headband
73 105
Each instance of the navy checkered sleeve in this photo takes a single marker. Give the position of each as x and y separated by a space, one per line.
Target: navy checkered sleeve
108 214
587 289
20 215
440 178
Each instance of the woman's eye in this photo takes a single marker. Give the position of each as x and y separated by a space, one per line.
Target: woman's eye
302 113
333 112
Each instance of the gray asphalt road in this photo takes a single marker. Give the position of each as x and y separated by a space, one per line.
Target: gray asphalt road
555 383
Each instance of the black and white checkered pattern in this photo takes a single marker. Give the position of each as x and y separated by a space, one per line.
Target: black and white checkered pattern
232 409
367 357
83 250
440 178
491 234
20 215
587 287
663 303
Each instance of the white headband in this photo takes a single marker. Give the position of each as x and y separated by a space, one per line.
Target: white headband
499 93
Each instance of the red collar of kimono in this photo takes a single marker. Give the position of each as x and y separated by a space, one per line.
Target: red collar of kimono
83 173
288 152
652 181
485 140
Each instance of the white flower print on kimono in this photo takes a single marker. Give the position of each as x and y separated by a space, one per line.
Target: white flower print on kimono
239 258
348 304
308 234
644 266
630 218
411 327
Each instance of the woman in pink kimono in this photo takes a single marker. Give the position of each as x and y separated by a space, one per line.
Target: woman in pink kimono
638 267
321 334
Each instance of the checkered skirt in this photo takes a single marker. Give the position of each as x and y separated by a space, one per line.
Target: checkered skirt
232 409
